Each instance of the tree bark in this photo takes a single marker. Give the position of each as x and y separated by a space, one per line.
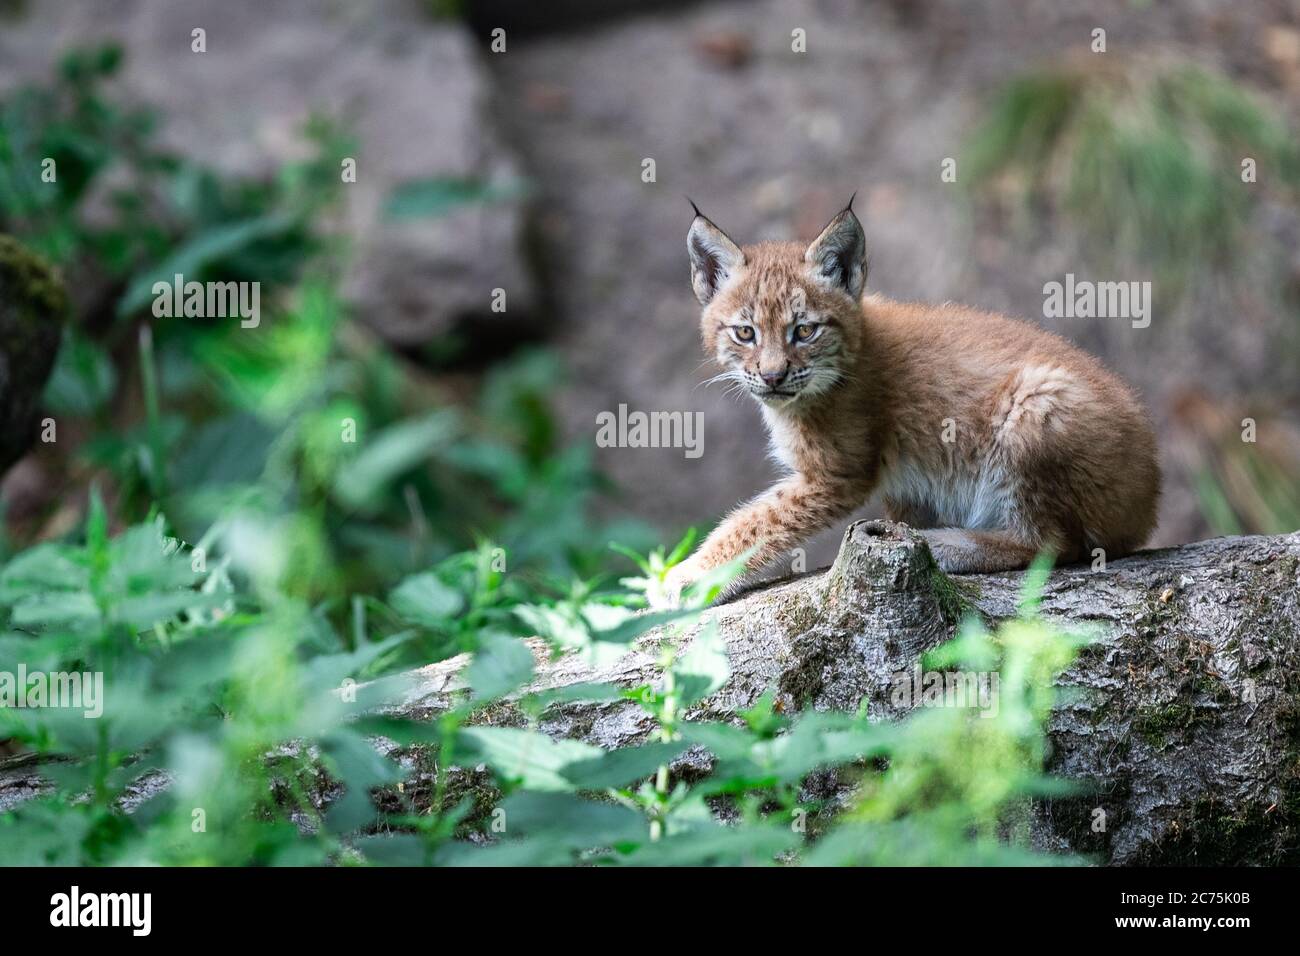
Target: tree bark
1182 725
33 307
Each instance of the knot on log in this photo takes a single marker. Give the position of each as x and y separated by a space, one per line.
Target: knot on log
880 558
885 583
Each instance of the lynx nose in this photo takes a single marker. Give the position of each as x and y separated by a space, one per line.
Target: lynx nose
773 379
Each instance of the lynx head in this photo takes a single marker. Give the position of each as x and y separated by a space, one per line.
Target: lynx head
782 320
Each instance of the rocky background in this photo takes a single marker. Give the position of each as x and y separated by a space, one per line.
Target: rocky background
553 130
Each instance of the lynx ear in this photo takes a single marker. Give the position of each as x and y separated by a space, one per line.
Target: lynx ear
714 257
839 255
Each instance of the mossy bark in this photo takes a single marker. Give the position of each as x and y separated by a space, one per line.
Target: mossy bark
33 308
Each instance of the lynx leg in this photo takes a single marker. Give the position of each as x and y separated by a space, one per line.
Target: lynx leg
962 551
768 526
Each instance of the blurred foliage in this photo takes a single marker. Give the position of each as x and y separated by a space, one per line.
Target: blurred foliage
306 412
446 9
1144 154
1243 464
302 515
122 208
247 698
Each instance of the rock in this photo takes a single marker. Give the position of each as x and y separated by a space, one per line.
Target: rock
525 19
410 89
728 49
33 308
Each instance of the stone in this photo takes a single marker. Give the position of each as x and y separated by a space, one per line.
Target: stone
410 89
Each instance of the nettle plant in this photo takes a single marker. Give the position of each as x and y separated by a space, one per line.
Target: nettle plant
242 726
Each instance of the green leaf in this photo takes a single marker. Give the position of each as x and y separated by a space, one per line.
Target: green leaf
356 764
821 739
617 768
439 196
753 845
324 673
577 822
394 849
704 590
83 379
501 664
1035 579
525 757
425 599
48 567
97 528
578 692
228 450
72 609
388 455
637 623
682 550
553 625
724 741
536 851
632 556
139 578
193 258
703 668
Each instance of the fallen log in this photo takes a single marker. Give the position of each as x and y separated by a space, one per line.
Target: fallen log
1182 725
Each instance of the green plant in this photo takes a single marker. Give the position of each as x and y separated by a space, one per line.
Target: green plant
1146 156
952 787
65 144
1241 460
262 717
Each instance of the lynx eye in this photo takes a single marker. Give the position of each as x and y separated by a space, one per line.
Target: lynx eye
805 332
742 333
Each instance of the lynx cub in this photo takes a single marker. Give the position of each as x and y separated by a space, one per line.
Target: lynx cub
996 438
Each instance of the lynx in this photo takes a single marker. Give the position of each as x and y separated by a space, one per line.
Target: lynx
995 439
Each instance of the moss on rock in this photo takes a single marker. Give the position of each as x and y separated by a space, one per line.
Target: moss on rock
33 308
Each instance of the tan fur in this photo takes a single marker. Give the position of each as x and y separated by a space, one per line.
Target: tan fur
1050 451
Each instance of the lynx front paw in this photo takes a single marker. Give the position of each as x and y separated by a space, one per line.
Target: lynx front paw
676 581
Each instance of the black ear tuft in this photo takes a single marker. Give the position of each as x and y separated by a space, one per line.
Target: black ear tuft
839 255
714 257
